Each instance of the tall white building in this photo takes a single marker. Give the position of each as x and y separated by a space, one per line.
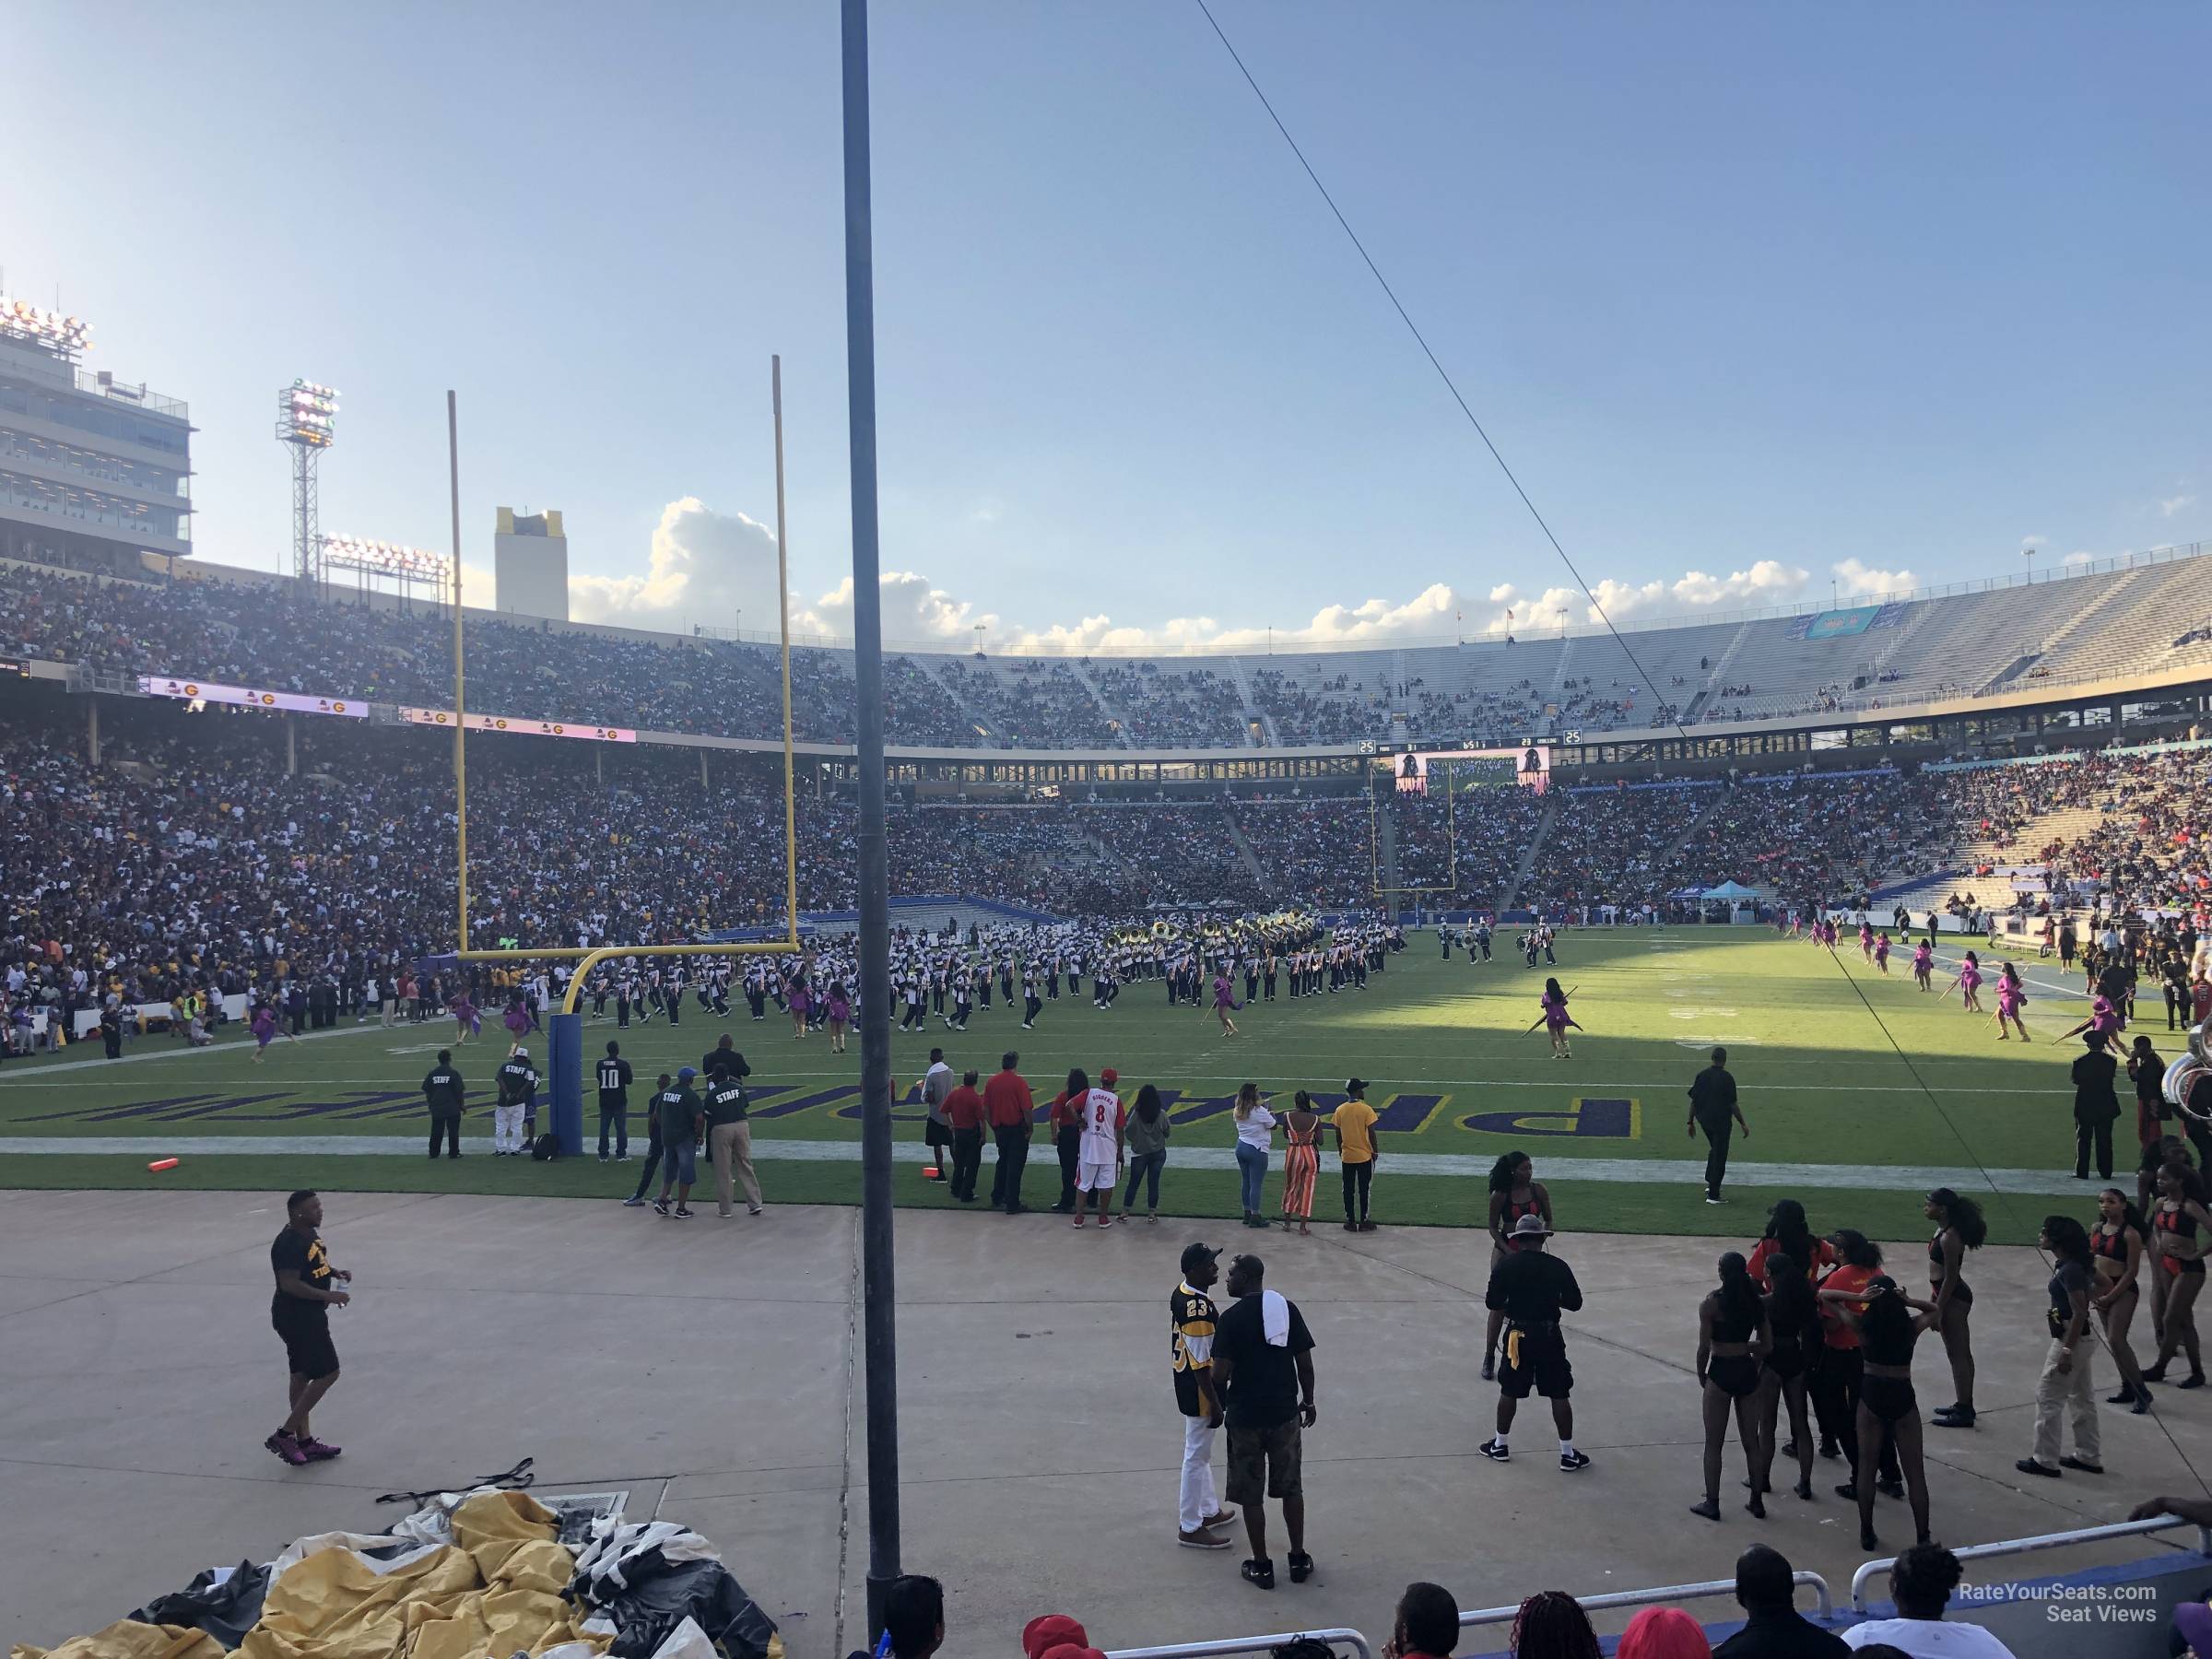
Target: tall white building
92 471
530 564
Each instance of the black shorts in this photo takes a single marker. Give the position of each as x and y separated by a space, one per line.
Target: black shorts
308 1351
1535 1360
935 1133
1891 1399
1735 1375
1786 1361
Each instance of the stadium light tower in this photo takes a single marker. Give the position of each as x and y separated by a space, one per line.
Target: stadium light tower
307 419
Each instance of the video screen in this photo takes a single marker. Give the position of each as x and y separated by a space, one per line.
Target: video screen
1528 767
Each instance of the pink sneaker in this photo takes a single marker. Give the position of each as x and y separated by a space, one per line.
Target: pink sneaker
285 1447
317 1451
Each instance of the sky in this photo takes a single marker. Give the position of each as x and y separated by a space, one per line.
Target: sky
1763 305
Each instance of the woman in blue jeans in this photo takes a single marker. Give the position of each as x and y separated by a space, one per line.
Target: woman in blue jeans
1147 1142
1255 1135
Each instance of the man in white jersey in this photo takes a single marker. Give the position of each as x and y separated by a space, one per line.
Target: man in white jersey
1099 1151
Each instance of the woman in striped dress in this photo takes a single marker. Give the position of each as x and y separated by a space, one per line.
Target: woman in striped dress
1302 1161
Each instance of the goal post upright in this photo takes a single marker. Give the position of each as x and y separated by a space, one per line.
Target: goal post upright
566 1027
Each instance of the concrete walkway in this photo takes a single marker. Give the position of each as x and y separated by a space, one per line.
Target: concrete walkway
712 1371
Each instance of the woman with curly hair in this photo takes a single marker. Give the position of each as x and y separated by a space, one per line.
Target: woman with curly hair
1552 1625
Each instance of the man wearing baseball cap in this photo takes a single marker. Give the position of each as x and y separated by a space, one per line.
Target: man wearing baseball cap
1531 1289
1191 1316
1360 1150
678 1110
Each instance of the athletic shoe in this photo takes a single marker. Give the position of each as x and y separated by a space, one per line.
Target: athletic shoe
2027 1466
633 1204
1203 1539
1301 1566
1572 1461
604 1158
1711 1199
317 1451
1260 1572
683 1214
1079 1221
285 1447
2142 1406
660 1206
1495 1451
753 1210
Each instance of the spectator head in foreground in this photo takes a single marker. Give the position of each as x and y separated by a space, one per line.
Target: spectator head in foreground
1922 1581
913 1618
1664 1634
1049 1630
1552 1625
1426 1625
1763 1580
2192 1624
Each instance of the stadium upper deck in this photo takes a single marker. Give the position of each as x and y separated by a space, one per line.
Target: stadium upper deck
2140 624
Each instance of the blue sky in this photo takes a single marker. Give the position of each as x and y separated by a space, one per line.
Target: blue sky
1746 292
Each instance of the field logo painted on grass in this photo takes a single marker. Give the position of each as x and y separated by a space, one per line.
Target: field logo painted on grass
1586 1119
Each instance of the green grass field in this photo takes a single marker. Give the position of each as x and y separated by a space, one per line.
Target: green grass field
1446 1046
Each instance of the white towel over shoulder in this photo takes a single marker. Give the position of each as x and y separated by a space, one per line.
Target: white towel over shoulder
1275 1318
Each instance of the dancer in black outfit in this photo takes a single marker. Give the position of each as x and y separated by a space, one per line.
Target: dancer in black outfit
1793 1335
1888 1411
1958 1228
1731 1339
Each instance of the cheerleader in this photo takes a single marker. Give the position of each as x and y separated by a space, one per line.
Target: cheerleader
2103 1017
468 1022
1867 941
1555 1019
1224 1002
1924 964
800 1004
2011 998
1970 984
2119 1245
841 1011
1881 953
2175 1221
1960 1227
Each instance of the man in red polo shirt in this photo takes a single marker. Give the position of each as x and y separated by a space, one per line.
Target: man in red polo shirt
1010 1110
964 1110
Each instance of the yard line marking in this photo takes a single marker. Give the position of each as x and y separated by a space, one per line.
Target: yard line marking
1638 1171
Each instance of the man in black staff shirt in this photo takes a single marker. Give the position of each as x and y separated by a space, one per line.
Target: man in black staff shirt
300 1313
614 1078
1262 1365
730 1140
441 1091
1713 1108
1531 1289
2096 1104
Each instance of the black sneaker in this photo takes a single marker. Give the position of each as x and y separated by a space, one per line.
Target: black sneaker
1572 1461
1495 1451
660 1206
1489 1368
1301 1566
1260 1572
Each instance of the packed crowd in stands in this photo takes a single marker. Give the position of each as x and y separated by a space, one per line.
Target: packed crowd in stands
1605 846
2149 848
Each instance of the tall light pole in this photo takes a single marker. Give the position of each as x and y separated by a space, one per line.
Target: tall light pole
2027 553
307 419
877 1317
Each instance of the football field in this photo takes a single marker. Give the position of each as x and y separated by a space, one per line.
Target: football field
1860 1093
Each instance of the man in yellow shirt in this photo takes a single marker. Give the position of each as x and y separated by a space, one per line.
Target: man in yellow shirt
1358 1149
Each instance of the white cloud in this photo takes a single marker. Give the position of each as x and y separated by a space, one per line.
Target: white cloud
1861 581
2080 556
2035 541
913 612
704 567
2170 505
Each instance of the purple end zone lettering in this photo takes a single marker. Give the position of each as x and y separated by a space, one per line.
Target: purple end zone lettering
821 1097
1589 1119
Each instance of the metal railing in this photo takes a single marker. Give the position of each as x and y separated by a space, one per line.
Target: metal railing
1247 1644
2012 1547
1660 1595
